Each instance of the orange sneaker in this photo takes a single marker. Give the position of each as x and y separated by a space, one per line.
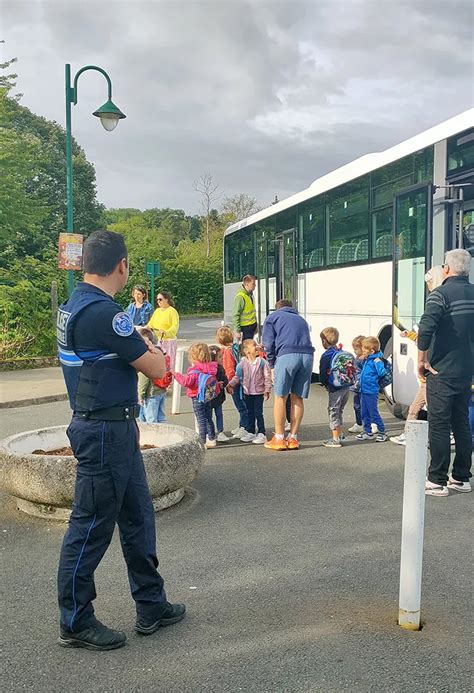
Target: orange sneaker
276 444
292 443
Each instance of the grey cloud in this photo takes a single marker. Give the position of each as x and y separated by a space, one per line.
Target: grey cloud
265 95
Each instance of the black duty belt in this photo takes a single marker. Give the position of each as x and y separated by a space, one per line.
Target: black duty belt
111 413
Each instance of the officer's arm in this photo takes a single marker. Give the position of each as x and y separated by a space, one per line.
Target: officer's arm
152 365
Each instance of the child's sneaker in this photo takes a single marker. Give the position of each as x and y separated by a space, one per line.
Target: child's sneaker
432 489
365 436
210 444
222 438
292 443
380 438
399 440
235 430
248 438
276 444
288 426
356 428
333 443
260 439
461 486
239 432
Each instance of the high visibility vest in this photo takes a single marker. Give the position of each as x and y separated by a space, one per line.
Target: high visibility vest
248 315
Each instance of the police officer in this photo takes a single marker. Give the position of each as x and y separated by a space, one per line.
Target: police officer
100 354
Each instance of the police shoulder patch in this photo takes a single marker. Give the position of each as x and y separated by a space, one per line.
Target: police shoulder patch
122 324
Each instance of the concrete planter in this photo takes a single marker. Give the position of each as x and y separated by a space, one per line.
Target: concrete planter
43 485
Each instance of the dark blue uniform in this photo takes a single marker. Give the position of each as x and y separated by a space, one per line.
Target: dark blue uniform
97 342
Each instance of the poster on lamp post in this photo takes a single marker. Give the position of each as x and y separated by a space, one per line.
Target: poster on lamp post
70 251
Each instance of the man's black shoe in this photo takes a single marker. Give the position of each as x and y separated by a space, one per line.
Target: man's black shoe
95 637
171 614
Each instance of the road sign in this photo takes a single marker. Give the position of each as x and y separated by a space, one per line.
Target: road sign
153 269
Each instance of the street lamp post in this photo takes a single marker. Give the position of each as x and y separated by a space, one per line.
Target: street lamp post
109 116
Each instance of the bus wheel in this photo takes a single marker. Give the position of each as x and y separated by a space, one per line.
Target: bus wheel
398 410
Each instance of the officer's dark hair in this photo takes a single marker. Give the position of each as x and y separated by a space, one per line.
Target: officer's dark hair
102 252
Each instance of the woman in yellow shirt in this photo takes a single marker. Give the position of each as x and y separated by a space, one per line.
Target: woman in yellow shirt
165 324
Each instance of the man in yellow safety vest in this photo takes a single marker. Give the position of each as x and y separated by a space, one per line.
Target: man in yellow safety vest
244 316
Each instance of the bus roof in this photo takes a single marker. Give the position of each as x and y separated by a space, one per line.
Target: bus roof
364 164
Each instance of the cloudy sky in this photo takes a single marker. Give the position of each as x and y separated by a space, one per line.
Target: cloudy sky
266 96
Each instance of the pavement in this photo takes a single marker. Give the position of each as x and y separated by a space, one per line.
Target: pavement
289 566
42 385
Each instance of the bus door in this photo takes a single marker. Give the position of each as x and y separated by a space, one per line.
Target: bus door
285 261
412 242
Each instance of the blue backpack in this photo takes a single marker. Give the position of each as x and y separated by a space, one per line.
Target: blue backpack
342 371
208 387
387 379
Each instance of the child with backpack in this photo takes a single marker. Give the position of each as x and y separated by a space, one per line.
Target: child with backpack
151 393
358 363
254 376
374 370
337 374
230 359
201 386
218 401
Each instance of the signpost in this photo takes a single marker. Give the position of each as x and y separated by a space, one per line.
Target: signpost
152 269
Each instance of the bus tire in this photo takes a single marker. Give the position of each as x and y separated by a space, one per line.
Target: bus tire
400 411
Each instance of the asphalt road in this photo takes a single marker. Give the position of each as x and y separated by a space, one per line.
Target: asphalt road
289 566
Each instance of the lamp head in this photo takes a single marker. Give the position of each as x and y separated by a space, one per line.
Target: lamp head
109 115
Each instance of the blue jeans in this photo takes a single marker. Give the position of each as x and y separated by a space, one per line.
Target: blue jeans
203 413
219 418
154 409
370 412
357 408
241 408
254 404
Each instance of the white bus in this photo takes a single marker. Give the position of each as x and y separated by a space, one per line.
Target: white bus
352 249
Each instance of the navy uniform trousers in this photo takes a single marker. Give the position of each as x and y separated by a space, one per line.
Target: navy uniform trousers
111 487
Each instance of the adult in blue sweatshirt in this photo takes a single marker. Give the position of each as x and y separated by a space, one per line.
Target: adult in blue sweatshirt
373 369
290 353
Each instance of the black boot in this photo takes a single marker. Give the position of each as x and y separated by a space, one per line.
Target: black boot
94 637
171 613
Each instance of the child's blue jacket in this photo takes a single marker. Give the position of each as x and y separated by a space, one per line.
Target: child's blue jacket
371 373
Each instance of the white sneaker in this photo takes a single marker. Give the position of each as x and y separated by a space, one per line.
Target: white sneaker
239 433
288 426
260 439
432 489
356 428
210 444
248 438
234 430
399 440
222 438
461 486
374 428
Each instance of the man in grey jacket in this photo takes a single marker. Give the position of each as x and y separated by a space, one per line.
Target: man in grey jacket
446 358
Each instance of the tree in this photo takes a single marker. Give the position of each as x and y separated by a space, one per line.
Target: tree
239 207
209 191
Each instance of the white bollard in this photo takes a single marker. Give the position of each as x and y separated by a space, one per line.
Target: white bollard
175 402
413 520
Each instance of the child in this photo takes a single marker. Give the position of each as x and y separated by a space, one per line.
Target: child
358 363
337 396
254 373
218 401
199 357
372 370
151 397
225 339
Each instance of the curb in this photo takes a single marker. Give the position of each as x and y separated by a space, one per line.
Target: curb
33 400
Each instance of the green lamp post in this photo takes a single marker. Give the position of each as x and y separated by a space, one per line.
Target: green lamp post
109 116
